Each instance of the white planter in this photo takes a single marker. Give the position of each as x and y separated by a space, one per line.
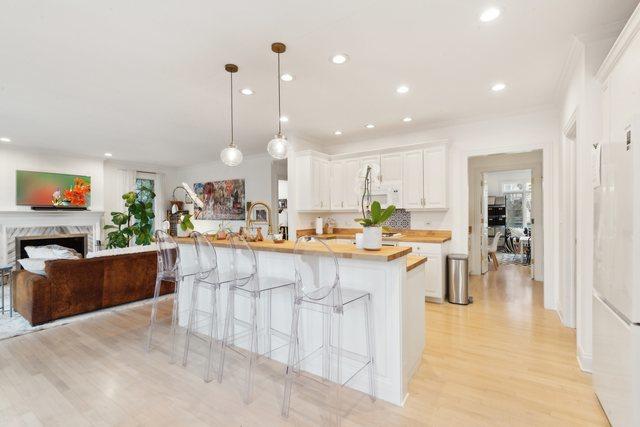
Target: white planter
372 238
181 233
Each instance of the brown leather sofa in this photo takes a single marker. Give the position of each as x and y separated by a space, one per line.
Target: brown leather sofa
80 286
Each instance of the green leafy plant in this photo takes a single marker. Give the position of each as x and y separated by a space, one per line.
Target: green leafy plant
185 222
136 222
376 216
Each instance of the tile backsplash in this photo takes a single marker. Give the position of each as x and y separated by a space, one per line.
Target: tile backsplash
400 219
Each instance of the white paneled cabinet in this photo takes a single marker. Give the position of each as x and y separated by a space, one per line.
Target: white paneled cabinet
425 178
436 253
344 178
313 182
391 168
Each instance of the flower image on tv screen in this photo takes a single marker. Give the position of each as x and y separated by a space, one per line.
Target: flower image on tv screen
44 189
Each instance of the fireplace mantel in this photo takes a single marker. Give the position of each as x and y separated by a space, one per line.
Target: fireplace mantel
12 219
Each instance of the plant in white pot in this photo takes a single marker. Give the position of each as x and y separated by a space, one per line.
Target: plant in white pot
373 216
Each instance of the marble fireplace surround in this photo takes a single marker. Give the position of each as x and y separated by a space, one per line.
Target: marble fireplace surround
32 223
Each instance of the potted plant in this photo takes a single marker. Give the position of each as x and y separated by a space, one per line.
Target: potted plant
185 225
136 222
373 216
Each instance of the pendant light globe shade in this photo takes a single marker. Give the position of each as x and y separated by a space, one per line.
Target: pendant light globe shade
231 156
278 147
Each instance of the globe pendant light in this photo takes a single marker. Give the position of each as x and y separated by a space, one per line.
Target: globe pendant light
279 146
231 156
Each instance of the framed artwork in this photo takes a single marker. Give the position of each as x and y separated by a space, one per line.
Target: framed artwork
223 200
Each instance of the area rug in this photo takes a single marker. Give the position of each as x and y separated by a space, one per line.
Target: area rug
510 258
17 325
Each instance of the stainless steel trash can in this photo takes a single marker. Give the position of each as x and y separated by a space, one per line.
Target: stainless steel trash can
458 279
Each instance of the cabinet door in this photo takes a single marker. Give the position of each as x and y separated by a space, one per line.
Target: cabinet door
391 168
412 180
338 188
434 286
325 185
316 179
370 160
351 181
304 183
435 177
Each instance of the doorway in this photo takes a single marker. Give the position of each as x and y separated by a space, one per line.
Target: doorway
568 231
505 200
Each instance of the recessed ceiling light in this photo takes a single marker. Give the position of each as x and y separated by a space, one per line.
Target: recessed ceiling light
407 119
284 119
402 89
5 139
246 91
338 133
286 77
498 87
108 155
490 14
369 126
340 58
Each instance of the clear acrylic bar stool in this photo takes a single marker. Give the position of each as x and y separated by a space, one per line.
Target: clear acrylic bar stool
206 278
246 282
318 289
169 270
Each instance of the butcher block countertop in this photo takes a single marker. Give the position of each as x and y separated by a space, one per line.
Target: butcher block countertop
417 236
414 261
387 253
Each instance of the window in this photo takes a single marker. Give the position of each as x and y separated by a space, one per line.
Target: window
146 180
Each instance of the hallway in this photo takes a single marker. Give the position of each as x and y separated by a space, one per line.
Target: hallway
504 360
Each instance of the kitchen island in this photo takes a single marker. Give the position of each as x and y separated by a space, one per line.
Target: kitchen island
396 285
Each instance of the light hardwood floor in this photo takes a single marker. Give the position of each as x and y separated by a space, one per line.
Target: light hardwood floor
502 361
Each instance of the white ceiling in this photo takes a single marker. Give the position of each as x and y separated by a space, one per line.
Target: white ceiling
145 79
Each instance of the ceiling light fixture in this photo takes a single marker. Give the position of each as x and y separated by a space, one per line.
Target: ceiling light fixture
402 89
340 58
231 155
338 133
369 126
246 91
490 14
407 119
285 77
108 155
498 87
278 147
5 139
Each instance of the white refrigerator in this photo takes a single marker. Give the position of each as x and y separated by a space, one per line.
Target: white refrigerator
616 295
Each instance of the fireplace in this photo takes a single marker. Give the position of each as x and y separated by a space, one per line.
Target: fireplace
78 242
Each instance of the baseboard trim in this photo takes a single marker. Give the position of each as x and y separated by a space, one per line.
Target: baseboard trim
585 361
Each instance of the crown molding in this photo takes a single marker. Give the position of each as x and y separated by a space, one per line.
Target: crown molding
571 61
628 34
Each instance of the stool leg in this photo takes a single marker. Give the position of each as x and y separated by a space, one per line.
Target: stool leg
326 343
268 326
174 320
253 348
225 334
370 347
213 331
193 308
289 371
11 290
154 312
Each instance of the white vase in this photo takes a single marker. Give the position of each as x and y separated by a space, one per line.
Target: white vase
372 238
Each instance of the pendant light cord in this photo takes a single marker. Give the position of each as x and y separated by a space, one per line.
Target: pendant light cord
279 112
232 141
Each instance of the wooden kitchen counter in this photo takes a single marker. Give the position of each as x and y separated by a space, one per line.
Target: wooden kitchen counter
417 236
414 261
387 253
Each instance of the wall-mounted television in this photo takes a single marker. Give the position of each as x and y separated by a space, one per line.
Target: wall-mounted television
48 190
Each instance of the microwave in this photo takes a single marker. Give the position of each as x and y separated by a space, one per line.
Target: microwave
387 194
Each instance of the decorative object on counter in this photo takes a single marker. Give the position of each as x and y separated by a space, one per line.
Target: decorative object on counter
279 146
359 237
259 237
372 221
319 226
277 238
190 198
329 225
186 226
221 200
231 155
255 206
223 231
136 222
400 220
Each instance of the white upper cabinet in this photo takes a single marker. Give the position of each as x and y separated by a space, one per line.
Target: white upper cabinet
369 160
351 196
391 168
412 180
337 184
312 182
435 177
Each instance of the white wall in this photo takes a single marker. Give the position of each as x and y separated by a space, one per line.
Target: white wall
14 158
582 102
495 180
255 170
